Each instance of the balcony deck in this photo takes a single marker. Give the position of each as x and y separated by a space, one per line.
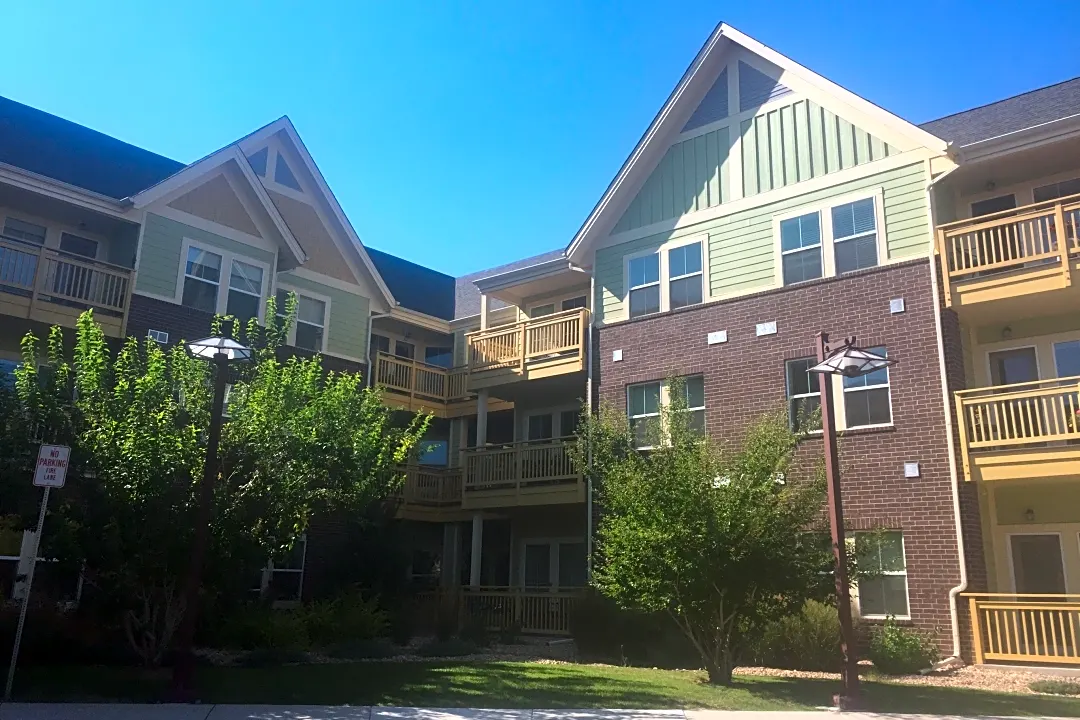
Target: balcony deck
54 288
522 474
528 350
430 493
1026 430
534 611
1025 628
1013 264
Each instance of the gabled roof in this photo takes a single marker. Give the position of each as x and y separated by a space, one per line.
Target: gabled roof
47 145
1019 112
467 300
689 91
414 286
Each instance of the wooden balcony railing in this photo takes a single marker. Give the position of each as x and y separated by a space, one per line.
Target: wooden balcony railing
520 466
404 376
1033 236
1015 416
534 611
431 486
520 344
1025 628
50 279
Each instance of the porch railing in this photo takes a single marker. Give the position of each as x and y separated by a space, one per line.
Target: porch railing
47 276
431 486
1013 416
1025 628
1040 235
519 344
521 465
532 611
405 376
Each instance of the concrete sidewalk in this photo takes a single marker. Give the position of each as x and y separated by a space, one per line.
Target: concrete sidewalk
81 711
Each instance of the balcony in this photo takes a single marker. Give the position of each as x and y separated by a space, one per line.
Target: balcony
51 287
532 610
528 350
417 386
1025 628
1016 263
1026 430
520 474
429 491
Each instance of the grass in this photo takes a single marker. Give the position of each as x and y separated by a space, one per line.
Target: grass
513 685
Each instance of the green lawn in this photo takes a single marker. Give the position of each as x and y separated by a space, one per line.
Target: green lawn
512 685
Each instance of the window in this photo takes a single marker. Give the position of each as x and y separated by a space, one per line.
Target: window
258 161
1067 358
568 422
283 174
854 233
541 427
803 392
573 303
283 576
245 291
310 323
884 592
800 248
404 349
572 565
866 398
379 344
684 275
1053 191
434 452
644 285
537 565
694 397
643 409
441 356
75 245
542 310
202 276
993 205
22 230
7 373
558 563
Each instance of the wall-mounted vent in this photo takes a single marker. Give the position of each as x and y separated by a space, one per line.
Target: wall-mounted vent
158 336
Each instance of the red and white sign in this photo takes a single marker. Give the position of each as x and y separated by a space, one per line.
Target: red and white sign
52 463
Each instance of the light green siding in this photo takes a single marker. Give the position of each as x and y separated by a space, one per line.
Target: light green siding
459 348
801 141
347 331
692 176
741 246
159 258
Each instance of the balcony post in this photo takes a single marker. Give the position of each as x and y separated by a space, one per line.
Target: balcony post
1063 244
976 630
451 550
481 417
483 311
475 558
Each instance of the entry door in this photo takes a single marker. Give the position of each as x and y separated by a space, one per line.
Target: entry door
1037 564
1013 366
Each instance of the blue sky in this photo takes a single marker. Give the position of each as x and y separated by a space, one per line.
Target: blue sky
463 135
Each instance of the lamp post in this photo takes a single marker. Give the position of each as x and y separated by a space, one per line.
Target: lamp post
219 351
846 360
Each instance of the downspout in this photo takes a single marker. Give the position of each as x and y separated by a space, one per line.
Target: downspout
588 409
954 592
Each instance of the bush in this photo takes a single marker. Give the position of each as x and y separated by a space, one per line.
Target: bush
258 627
362 650
897 650
808 640
347 617
454 647
474 630
270 656
53 637
603 632
1055 687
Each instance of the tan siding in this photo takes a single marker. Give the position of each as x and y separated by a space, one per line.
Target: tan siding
215 201
323 255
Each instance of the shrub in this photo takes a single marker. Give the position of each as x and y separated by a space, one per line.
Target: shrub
454 647
511 634
897 650
1056 687
270 656
604 632
403 625
474 630
258 627
362 650
446 623
808 640
349 616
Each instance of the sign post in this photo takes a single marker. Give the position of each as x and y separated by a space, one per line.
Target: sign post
49 473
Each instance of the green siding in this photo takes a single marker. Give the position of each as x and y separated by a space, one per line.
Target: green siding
159 259
347 331
801 141
741 245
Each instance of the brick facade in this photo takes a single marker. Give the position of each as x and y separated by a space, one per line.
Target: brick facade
745 377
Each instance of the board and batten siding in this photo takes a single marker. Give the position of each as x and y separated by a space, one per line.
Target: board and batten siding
741 246
347 328
159 258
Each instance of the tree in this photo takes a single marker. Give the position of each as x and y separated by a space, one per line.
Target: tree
298 441
720 539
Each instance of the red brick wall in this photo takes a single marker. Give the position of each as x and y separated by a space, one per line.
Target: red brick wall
745 377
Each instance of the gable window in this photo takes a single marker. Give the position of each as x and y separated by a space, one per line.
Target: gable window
803 392
694 397
800 248
22 230
283 174
854 233
867 400
245 291
643 410
308 332
258 161
202 278
645 285
684 275
884 590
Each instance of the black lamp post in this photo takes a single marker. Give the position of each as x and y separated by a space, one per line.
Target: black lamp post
219 351
849 361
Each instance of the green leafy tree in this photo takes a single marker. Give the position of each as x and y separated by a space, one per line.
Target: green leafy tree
719 538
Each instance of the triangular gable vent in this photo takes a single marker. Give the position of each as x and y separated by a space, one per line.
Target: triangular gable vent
756 88
713 107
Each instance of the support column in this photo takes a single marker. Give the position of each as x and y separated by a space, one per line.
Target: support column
481 417
476 559
483 312
451 543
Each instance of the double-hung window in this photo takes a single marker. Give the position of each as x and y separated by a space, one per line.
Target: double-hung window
202 279
644 285
684 276
309 330
643 409
867 399
245 291
694 398
27 232
283 577
854 233
883 591
800 248
803 393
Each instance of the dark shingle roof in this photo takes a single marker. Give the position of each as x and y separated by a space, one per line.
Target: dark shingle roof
415 286
1009 115
47 145
467 300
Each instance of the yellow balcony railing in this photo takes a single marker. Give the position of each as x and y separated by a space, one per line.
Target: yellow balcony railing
420 381
51 286
1034 237
523 473
518 345
534 611
431 486
1017 417
1025 628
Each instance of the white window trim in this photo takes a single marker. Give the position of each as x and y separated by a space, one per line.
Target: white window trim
828 246
904 572
268 573
841 411
552 544
816 393
657 414
326 313
664 275
223 281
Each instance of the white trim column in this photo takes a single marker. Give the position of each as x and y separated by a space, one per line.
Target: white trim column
483 312
476 558
481 417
